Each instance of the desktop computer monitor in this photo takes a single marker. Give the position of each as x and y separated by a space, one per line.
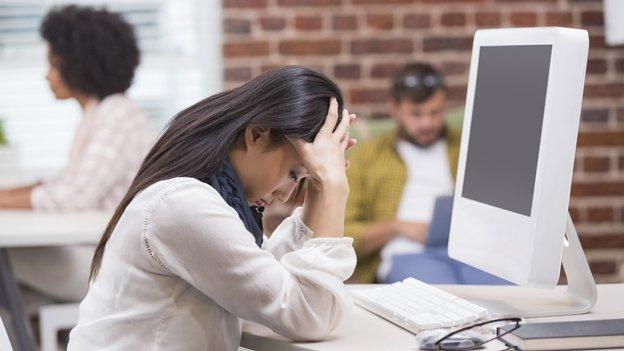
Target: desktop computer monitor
519 137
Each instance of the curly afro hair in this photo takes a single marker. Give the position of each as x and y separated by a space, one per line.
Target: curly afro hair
97 49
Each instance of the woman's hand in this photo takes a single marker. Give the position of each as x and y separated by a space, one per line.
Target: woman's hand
324 158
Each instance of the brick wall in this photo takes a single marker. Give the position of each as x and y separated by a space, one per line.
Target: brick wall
361 42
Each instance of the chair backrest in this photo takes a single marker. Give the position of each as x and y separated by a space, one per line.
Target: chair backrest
5 343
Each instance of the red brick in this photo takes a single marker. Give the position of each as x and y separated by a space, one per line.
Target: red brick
523 18
604 90
383 21
598 188
346 22
583 2
450 68
558 18
347 71
380 2
269 67
368 95
313 3
454 1
592 18
597 66
602 241
308 23
416 21
595 115
600 214
577 162
575 213
597 41
621 163
309 47
603 267
236 26
237 74
381 46
596 164
601 138
434 43
245 3
456 92
384 70
272 23
488 19
453 19
619 65
540 2
246 48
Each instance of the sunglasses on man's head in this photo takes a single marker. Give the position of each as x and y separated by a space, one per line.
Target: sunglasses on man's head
428 80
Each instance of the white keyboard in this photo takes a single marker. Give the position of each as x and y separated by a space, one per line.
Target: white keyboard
416 306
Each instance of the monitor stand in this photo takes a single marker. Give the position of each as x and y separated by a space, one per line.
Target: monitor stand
514 301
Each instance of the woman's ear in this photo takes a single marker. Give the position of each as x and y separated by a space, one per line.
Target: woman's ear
257 138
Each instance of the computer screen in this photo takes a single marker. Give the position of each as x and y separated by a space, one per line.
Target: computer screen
506 126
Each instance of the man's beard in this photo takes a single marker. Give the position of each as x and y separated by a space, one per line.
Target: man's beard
405 136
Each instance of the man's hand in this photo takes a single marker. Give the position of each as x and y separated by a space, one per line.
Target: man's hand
416 231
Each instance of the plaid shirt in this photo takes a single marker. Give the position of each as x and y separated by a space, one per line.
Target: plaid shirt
377 176
110 143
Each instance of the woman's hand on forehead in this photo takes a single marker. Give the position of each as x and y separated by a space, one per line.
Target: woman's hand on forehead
324 157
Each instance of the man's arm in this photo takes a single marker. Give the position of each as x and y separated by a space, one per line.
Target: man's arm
368 236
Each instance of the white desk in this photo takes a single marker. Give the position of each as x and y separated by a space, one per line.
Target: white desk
363 331
21 228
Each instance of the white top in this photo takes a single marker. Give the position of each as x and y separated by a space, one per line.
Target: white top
180 270
428 176
110 143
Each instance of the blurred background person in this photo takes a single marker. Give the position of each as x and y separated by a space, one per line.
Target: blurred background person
92 56
396 177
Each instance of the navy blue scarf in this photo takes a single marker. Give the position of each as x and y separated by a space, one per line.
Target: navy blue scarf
228 185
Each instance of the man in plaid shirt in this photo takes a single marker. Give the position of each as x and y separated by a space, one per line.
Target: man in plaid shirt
396 177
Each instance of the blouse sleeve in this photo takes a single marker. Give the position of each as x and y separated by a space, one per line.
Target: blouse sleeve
192 233
290 235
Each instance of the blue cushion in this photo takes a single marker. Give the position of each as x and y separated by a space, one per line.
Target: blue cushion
436 267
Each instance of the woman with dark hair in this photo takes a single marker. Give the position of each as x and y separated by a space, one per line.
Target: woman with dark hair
184 259
92 56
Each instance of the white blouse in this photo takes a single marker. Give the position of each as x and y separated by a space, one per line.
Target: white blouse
180 270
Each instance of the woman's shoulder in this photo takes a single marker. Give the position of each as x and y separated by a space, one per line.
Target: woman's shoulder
177 185
180 194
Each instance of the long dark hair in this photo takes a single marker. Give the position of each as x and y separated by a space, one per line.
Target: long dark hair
291 101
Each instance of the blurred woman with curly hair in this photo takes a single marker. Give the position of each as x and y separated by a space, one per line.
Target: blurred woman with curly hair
92 55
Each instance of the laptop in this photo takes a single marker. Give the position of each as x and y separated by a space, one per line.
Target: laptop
440 224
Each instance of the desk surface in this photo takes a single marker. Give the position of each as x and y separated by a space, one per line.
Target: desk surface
364 331
19 228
